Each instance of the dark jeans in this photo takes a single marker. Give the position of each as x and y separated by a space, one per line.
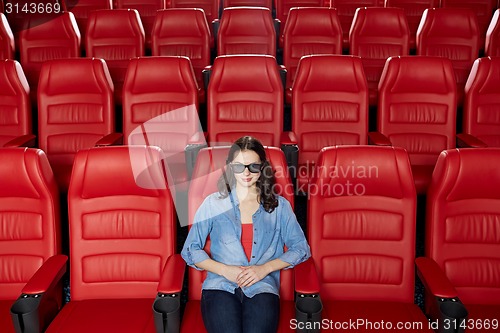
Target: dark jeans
224 312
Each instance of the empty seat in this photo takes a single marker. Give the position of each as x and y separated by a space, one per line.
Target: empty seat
461 246
45 39
482 104
378 33
283 8
346 10
361 227
238 36
413 10
160 108
75 111
147 10
309 31
183 32
329 107
417 111
492 44
210 7
81 10
30 236
7 45
116 36
122 237
452 33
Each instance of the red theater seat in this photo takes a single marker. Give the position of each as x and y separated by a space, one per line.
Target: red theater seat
283 8
329 107
417 111
482 105
75 111
492 44
309 31
122 237
30 237
7 45
462 248
377 34
45 38
160 108
15 107
81 10
116 36
361 227
452 33
238 36
183 32
413 10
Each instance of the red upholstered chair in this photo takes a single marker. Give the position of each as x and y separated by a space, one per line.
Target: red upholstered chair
329 107
346 10
30 245
283 8
361 227
413 10
160 108
7 45
81 10
183 32
461 246
210 7
417 111
147 10
75 111
378 33
15 107
238 36
44 38
482 105
452 33
309 31
492 44
116 36
209 165
122 237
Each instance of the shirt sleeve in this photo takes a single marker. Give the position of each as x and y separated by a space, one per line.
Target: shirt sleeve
297 247
192 251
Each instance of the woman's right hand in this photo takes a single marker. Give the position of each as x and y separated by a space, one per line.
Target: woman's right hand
231 272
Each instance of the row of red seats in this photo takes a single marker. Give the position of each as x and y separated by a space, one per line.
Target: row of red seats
122 242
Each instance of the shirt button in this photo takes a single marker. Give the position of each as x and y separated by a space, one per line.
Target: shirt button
255 242
253 256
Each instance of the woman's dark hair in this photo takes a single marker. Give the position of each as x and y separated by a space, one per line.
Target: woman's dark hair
265 183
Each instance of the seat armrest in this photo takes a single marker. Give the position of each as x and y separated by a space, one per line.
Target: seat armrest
41 297
111 139
378 139
465 140
283 74
166 307
289 138
206 72
277 26
215 29
433 278
27 140
308 305
289 146
196 143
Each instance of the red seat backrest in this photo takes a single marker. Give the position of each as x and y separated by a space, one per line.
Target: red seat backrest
310 31
462 222
417 106
245 97
283 8
81 10
361 224
238 36
29 217
209 165
378 33
482 101
248 3
75 110
330 104
122 222
15 106
7 45
492 44
183 32
210 7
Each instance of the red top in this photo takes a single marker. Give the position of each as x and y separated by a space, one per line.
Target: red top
247 238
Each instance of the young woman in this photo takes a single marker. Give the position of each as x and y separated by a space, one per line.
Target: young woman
248 225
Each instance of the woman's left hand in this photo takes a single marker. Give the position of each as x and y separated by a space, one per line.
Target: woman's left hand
251 275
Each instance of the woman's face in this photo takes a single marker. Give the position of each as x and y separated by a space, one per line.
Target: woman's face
246 178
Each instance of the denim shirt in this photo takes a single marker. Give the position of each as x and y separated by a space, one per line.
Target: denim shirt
220 218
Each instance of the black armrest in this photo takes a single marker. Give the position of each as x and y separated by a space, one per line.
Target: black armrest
308 305
195 144
206 72
291 150
215 28
283 74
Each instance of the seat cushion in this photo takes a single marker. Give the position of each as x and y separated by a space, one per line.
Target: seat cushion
5 320
422 174
105 316
487 313
373 313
